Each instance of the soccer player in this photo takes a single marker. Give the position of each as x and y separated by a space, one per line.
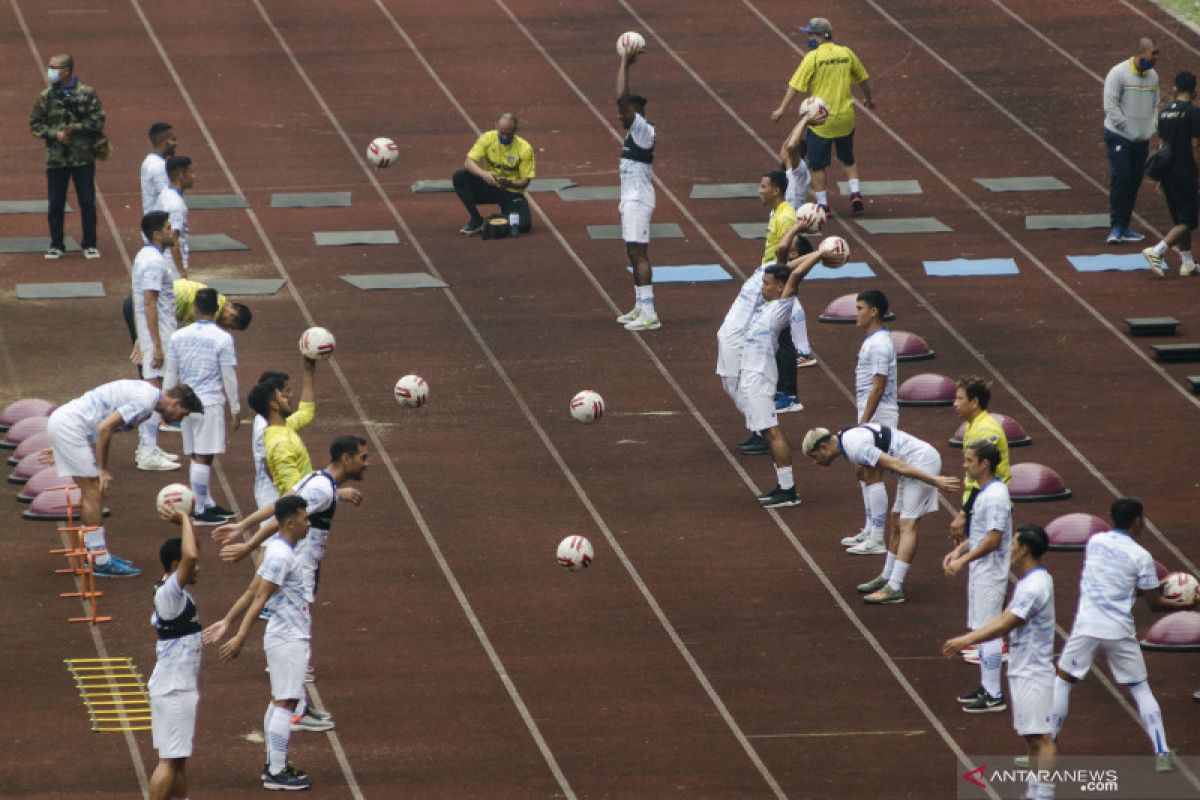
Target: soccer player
203 356
173 687
230 315
279 585
1116 569
284 454
179 179
971 399
1029 624
772 193
985 553
875 379
917 463
153 277
154 165
637 198
265 490
93 418
792 156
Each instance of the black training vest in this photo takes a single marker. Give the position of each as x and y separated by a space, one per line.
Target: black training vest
883 437
630 150
185 624
322 520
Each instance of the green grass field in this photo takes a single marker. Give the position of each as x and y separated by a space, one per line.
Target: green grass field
1189 9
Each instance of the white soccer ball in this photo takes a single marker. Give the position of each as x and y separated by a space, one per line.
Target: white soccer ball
630 42
587 406
834 251
175 494
412 391
382 151
575 553
811 218
816 109
1180 586
317 343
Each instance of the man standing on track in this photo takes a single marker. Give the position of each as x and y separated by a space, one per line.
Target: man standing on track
637 198
793 157
497 169
1179 128
1130 108
772 193
154 165
971 399
828 71
265 490
170 200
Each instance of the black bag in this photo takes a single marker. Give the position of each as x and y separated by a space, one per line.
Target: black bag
496 227
1158 163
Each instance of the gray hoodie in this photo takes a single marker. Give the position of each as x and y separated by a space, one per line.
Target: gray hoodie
1131 102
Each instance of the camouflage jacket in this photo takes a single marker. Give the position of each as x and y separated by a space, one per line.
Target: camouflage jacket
78 105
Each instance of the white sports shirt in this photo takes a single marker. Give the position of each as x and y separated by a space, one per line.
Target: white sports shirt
1114 568
154 180
291 618
155 272
319 493
637 179
178 663
762 338
199 352
992 512
799 181
134 399
748 299
877 356
858 445
264 488
171 201
1031 646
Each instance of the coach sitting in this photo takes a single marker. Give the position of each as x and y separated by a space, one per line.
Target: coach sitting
497 170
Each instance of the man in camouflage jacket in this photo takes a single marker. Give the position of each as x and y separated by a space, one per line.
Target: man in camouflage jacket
69 118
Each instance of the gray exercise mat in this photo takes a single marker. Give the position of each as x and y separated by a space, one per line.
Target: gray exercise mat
550 184
395 280
213 243
664 230
26 206
876 188
723 191
590 193
903 225
422 187
310 200
337 238
262 287
749 230
1047 222
207 202
1030 183
33 244
59 291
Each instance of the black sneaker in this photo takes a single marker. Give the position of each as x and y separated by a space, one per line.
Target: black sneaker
288 779
471 228
208 518
221 512
856 203
751 440
757 447
986 704
971 696
266 773
778 498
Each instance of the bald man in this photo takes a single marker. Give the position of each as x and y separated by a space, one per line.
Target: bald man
497 169
1130 114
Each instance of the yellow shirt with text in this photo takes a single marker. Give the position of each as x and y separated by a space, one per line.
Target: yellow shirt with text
828 73
514 160
782 220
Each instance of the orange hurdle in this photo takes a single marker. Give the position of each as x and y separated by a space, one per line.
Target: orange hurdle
87 581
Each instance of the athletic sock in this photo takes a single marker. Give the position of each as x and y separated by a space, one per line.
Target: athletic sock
200 476
647 301
1152 718
1058 711
94 540
637 300
1045 790
279 730
267 732
889 563
148 432
989 666
1160 248
899 571
784 476
822 198
1031 781
866 506
855 187
877 510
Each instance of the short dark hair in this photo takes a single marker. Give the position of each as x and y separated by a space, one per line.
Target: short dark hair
1125 511
170 552
241 315
206 301
976 388
876 300
158 130
288 506
779 272
276 377
153 222
1185 82
986 451
778 179
1034 537
638 102
187 398
345 445
176 165
260 396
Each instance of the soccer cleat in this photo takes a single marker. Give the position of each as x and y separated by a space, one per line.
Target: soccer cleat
644 323
887 596
207 518
803 361
311 722
873 585
115 569
1164 762
288 779
1187 270
153 461
856 203
54 254
779 498
471 228
91 253
221 512
1131 236
857 538
986 704
1114 236
971 696
630 316
867 548
1154 260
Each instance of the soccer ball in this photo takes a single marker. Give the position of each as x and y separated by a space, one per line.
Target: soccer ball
811 218
587 406
834 251
1180 586
630 42
317 343
816 109
382 151
575 553
412 391
172 495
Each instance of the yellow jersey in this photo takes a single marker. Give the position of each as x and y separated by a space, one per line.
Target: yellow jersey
185 298
827 73
286 456
782 220
986 428
514 160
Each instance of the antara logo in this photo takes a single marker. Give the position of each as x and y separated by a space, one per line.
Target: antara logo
975 776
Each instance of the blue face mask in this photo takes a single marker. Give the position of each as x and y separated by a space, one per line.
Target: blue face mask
1145 64
813 44
505 138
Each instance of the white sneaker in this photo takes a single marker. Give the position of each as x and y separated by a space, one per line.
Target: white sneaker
1154 260
643 324
91 253
1188 269
154 462
165 454
868 548
630 316
857 538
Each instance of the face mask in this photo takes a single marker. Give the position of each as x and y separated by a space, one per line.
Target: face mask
505 138
53 74
813 44
1145 64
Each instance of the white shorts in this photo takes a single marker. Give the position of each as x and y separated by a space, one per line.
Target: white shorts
985 600
173 723
915 499
1124 657
74 454
1032 700
730 387
729 358
204 434
287 662
635 221
884 415
756 399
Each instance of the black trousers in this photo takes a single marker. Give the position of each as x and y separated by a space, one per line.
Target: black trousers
57 179
473 190
127 312
785 362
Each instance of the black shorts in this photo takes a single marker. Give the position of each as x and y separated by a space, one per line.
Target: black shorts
820 150
1181 200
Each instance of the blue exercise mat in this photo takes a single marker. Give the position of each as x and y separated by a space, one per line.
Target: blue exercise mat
971 267
851 269
688 273
1109 262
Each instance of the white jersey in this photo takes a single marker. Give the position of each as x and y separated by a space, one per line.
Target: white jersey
178 660
154 180
1031 646
1114 568
637 178
153 271
992 512
320 494
858 446
264 488
762 338
134 399
799 183
748 300
199 351
291 618
171 201
877 356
